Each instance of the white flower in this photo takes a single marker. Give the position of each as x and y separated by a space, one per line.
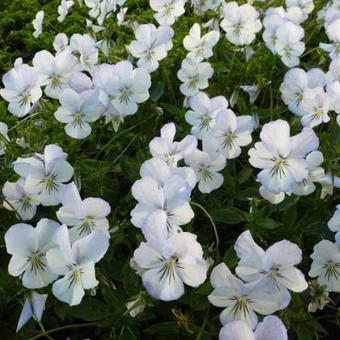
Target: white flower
315 174
167 10
34 307
269 329
206 165
37 23
316 107
240 300
203 113
22 89
45 173
83 216
121 87
306 6
76 263
171 152
28 247
298 88
77 110
203 6
270 196
94 6
282 157
160 171
240 23
85 47
63 9
194 76
172 199
3 137
200 48
334 222
329 182
80 82
273 268
252 90
54 72
271 23
288 44
326 265
60 42
151 45
232 132
167 264
121 16
23 201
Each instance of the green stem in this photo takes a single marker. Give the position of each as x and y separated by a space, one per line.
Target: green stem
58 329
199 335
211 221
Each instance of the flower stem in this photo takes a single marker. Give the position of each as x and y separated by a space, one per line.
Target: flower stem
211 221
53 330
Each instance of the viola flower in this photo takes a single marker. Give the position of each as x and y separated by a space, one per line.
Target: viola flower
121 87
171 152
84 47
34 307
334 222
202 7
240 23
270 196
37 23
83 216
3 137
22 89
80 82
273 268
206 165
167 10
316 108
160 171
328 183
203 113
172 198
63 9
45 173
166 265
28 247
326 264
315 174
306 6
269 329
232 132
54 72
194 76
60 42
77 110
76 263
298 88
23 202
94 6
281 157
200 48
241 300
288 44
151 45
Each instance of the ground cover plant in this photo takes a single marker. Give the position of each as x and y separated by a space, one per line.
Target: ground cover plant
170 169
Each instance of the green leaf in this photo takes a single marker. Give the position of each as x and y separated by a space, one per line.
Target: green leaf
90 310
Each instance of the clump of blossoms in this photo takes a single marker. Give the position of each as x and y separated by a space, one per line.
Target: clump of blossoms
42 253
240 23
262 287
283 34
289 164
170 257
